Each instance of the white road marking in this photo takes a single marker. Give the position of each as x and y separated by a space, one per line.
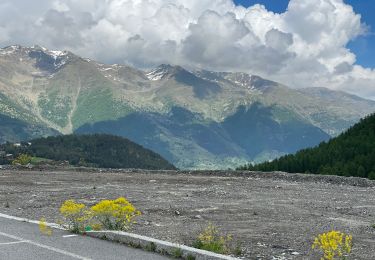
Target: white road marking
54 249
70 236
11 243
52 225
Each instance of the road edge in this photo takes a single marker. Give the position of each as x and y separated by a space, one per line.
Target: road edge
141 242
158 246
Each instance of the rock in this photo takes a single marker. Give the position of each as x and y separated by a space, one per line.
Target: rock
177 213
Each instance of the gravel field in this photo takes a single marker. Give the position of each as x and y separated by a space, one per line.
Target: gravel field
273 215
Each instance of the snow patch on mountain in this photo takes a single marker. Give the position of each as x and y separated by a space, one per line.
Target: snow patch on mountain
160 72
242 79
155 75
56 54
9 50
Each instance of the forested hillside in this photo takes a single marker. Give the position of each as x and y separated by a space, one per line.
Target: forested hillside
105 151
350 154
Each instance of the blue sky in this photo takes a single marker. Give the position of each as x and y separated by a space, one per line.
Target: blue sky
363 47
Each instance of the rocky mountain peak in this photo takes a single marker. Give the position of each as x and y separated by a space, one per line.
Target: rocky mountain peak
9 50
46 60
163 71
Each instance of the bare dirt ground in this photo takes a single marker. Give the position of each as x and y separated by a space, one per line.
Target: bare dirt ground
273 215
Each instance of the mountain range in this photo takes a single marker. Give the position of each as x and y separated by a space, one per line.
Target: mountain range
193 118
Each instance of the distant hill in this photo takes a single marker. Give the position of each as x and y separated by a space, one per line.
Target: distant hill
99 150
350 154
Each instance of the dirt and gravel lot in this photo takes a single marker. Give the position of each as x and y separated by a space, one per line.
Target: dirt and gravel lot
274 215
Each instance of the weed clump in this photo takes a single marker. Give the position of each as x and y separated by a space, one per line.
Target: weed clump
151 247
177 253
75 215
118 214
190 257
333 245
210 239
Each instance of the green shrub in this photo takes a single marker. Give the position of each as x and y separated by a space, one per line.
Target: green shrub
22 159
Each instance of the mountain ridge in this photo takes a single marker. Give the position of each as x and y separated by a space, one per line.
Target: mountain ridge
60 90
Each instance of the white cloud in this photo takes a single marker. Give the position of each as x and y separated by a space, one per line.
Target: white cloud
305 46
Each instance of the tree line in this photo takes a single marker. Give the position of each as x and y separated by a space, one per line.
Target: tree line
350 154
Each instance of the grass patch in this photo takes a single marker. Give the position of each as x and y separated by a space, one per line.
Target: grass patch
151 247
177 253
211 239
190 257
39 160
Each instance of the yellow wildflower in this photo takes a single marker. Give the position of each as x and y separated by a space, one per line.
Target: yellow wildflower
333 244
44 228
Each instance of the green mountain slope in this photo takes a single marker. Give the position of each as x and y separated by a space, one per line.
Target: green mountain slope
350 154
14 130
103 151
232 117
190 141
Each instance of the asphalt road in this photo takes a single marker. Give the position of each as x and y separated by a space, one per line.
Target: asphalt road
21 240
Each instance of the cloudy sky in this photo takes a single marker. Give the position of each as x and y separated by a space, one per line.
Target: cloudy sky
301 43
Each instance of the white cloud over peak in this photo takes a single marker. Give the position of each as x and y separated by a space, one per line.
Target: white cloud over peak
303 47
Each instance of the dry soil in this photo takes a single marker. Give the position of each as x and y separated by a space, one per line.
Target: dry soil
272 215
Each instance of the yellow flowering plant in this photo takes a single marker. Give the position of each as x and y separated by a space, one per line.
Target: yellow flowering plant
333 245
44 228
210 239
115 214
75 214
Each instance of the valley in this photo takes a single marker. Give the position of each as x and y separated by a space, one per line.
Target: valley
273 215
196 119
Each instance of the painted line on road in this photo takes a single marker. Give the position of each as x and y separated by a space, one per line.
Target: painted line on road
129 238
66 236
54 249
11 243
52 225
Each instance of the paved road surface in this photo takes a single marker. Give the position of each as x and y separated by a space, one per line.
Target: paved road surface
21 240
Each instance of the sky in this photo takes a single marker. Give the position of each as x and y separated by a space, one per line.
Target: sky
363 46
300 43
